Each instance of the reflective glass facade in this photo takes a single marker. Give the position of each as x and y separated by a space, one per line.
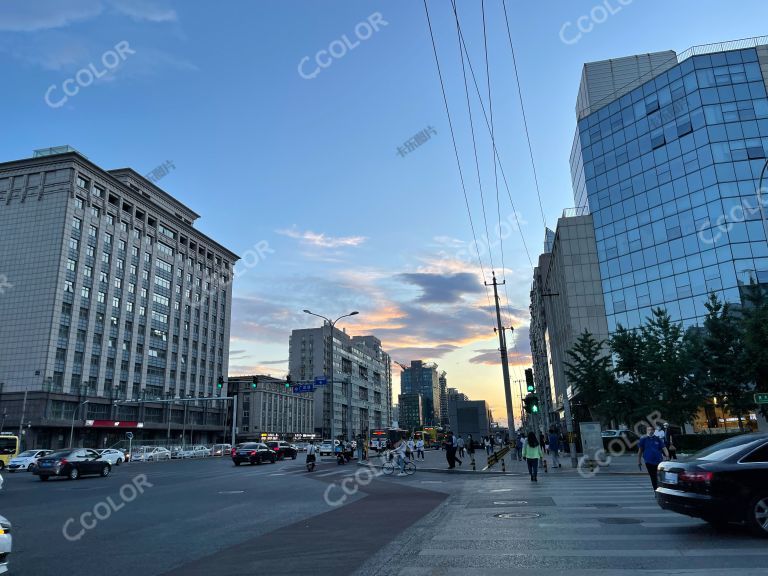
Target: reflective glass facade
670 173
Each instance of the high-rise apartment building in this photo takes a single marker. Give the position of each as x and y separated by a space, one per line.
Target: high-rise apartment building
667 158
362 379
113 296
422 378
410 410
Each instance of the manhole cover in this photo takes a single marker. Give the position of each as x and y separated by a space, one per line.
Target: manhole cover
511 503
517 515
620 521
232 492
603 505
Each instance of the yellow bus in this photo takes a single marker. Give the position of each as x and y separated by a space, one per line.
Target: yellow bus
9 448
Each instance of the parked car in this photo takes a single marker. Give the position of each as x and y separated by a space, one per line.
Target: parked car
302 446
195 452
72 463
151 454
627 438
112 455
6 542
27 460
726 482
283 449
326 448
221 449
253 453
176 451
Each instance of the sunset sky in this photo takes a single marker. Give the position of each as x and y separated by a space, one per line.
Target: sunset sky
303 161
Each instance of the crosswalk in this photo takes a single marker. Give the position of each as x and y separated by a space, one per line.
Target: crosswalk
566 524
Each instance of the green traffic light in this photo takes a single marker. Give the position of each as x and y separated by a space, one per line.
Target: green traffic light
535 409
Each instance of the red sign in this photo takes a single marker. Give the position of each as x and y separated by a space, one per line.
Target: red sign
114 424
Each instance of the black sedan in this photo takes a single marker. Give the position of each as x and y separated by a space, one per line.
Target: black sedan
253 453
72 464
727 482
283 450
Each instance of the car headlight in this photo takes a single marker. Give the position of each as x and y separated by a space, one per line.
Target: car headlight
5 528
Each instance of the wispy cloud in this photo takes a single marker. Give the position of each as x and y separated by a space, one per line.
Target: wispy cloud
321 240
26 16
145 10
443 288
492 357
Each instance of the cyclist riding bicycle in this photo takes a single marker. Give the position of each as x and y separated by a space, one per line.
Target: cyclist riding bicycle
400 451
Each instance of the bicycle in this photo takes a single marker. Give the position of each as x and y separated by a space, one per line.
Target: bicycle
390 465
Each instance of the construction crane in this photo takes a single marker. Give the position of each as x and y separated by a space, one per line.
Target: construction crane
403 366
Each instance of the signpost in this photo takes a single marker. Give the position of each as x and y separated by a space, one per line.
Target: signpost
591 440
129 435
298 389
321 381
761 398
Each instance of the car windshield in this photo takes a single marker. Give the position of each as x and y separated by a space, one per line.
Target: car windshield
27 454
60 454
249 446
725 449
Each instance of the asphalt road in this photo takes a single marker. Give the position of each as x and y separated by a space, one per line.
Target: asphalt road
207 517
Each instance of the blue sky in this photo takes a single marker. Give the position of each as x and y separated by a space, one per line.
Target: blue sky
309 167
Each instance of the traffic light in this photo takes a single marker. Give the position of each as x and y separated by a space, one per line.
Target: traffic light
534 404
529 379
220 383
527 404
253 383
288 381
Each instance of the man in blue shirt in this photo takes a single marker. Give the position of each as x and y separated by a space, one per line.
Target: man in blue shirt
651 449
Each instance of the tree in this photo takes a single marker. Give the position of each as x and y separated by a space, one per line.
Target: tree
589 372
723 359
754 328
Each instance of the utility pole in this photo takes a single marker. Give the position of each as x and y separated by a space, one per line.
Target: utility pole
503 350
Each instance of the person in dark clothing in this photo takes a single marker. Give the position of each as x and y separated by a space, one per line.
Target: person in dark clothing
532 454
651 449
450 451
554 448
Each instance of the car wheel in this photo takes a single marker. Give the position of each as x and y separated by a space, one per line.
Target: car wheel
2 464
74 474
105 470
119 461
43 478
758 515
293 457
237 462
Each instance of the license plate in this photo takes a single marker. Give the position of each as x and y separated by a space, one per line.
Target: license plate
670 477
45 464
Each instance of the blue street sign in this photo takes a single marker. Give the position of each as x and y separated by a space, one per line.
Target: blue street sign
303 388
321 381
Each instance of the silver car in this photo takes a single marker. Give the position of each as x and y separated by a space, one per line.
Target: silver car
5 544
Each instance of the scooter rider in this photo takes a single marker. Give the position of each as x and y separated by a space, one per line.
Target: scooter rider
311 456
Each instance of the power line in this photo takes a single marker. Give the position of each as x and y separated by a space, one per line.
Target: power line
455 147
522 109
493 141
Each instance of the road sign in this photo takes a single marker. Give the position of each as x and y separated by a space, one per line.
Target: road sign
303 388
321 381
129 435
761 398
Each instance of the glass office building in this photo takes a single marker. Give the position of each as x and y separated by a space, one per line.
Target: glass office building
667 158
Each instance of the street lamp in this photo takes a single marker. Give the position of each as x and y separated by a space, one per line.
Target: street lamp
72 426
332 324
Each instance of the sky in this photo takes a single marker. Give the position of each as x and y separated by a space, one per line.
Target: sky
312 138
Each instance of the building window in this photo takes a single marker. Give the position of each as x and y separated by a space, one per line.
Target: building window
79 202
82 182
77 223
85 292
71 265
101 297
69 286
87 272
98 192
74 244
94 210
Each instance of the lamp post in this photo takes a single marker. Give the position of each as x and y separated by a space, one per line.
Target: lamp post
332 324
72 426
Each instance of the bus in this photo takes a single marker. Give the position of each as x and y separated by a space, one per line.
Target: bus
9 448
380 437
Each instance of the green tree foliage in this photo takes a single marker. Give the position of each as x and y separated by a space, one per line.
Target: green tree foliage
589 372
754 327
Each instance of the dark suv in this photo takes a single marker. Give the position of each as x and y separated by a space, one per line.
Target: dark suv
253 453
72 464
283 449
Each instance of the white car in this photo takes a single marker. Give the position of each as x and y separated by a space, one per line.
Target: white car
195 452
26 460
148 454
326 449
5 544
113 456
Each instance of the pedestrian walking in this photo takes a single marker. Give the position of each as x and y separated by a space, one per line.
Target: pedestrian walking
543 442
420 448
651 449
532 454
670 444
554 448
470 445
450 451
519 447
456 457
411 449
487 444
460 446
